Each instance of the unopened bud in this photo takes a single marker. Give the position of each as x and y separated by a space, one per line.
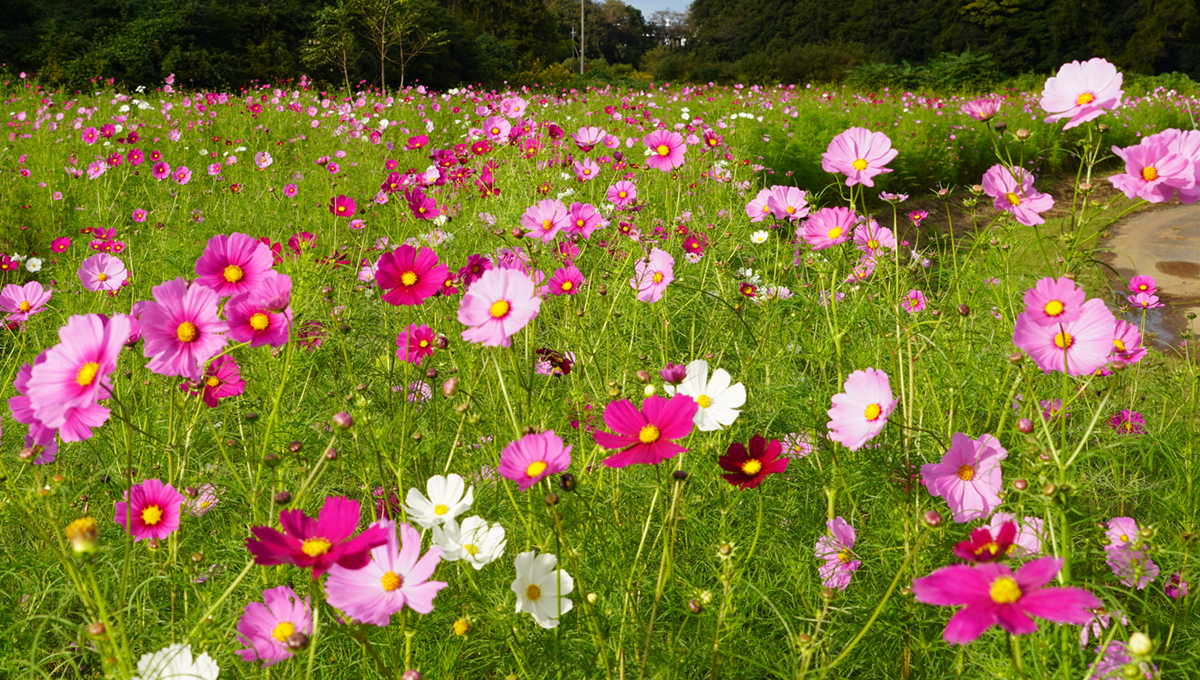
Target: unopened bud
643 376
450 387
295 447
648 390
694 606
1085 187
1016 357
83 535
1020 484
828 593
551 499
932 518
431 373
270 460
251 416
27 454
1140 644
1102 127
283 498
943 193
331 454
567 481
1025 426
1022 134
97 629
441 342
680 475
964 310
410 675
1001 126
517 232
1049 489
296 641
343 420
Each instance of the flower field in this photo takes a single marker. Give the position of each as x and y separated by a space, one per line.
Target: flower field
691 382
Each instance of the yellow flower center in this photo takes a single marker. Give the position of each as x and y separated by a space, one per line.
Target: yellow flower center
872 244
535 468
1124 538
87 374
663 150
703 401
587 171
233 273
751 467
1053 308
151 515
859 164
213 381
966 473
992 548
260 321
1149 173
648 435
24 306
533 592
440 509
546 224
423 344
1118 344
314 547
1013 199
461 627
408 278
283 631
101 276
836 232
872 412
499 309
1063 340
471 549
1085 98
186 332
391 581
790 210
622 194
567 285
1005 590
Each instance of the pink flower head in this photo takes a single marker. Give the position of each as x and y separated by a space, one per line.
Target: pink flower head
652 275
1028 541
545 219
913 302
859 154
290 190
760 206
873 239
1153 172
160 170
836 550
1128 422
1144 301
396 575
1127 343
498 305
586 138
787 203
1081 92
415 343
586 170
1176 587
181 328
1054 301
746 469
983 546
138 215
409 275
1143 284
860 412
222 379
422 207
994 595
496 128
22 302
622 194
582 220
982 110
1012 189
60 244
644 436
233 264
89 135
342 206
513 107
565 281
414 143
262 316
1132 566
182 175
968 478
533 458
266 626
828 227
1078 347
263 160
666 150
1120 531
150 510
319 544
475 267
102 272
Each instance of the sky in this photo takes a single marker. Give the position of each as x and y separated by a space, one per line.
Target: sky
649 7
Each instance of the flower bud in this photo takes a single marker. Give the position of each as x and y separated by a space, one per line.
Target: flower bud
1016 357
680 475
1140 644
1049 489
648 390
1001 126
932 518
1102 127
964 310
295 447
97 629
331 454
197 557
1020 484
828 593
252 416
431 373
943 193
673 373
283 498
1022 134
450 387
270 460
442 342
1025 426
343 420
567 481
296 641
83 535
410 675
551 499
643 376
694 606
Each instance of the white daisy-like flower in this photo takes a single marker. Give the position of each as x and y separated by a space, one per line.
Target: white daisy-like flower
34 264
718 400
174 662
445 502
473 541
541 589
759 236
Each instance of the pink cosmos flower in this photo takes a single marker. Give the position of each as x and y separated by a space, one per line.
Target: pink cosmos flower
982 110
22 302
644 436
1153 172
1132 566
475 267
968 478
1054 301
396 575
545 219
182 175
263 160
1143 284
266 626
160 170
422 207
1081 92
181 328
409 275
1144 301
760 206
262 316
828 227
622 194
666 150
582 219
415 344
290 190
787 203
565 281
139 215
652 275
496 128
1078 347
860 155
1028 541
1127 343
1176 587
214 169
994 595
222 379
586 170
513 107
913 302
1012 189
586 138
873 239
498 305
1128 422
60 244
233 264
89 135
150 510
860 412
836 550
319 544
987 544
342 206
533 458
102 272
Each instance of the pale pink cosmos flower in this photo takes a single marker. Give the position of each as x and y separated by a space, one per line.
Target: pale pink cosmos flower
1144 301
233 264
545 219
1030 530
102 272
1131 564
1082 92
586 138
397 575
860 155
1054 301
622 194
828 227
666 150
266 626
533 458
263 160
1127 344
758 208
982 110
968 477
22 302
860 412
873 239
652 275
788 203
1013 192
913 302
496 128
181 328
513 107
498 305
587 169
1153 172
1078 347
836 550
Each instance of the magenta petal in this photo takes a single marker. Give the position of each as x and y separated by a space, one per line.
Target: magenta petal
968 624
675 420
1011 618
338 519
1064 605
270 548
951 586
296 524
614 442
621 416
1037 573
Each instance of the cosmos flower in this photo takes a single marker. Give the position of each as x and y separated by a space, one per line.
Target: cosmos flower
150 510
860 412
22 302
206 497
262 316
318 544
860 155
565 281
1153 171
342 206
415 344
666 150
533 458
410 275
1082 92
787 203
474 541
222 379
1028 541
1078 347
1013 192
828 227
652 275
582 220
982 110
1128 422
717 400
1052 301
500 303
175 662
545 219
181 328
645 436
747 469
836 549
445 502
985 545
266 626
102 272
541 589
622 194
968 477
873 239
913 302
397 576
759 207
233 264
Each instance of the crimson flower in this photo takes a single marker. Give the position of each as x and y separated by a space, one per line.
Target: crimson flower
644 436
319 543
983 547
746 470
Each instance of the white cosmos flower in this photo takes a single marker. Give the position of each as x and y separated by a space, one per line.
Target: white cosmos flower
718 400
34 264
759 236
473 541
541 589
445 502
174 662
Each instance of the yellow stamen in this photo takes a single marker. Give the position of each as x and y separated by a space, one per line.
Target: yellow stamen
24 306
186 332
233 273
1005 590
260 321
101 276
499 309
213 381
151 515
1054 308
440 509
1013 199
408 278
391 581
535 468
859 164
703 401
751 467
966 473
471 549
663 150
1085 98
283 631
1149 173
836 232
87 374
1063 340
315 547
533 592
567 285
648 435
872 412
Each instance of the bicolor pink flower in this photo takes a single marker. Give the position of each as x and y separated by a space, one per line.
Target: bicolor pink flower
987 544
222 379
513 107
994 595
565 281
342 206
982 110
1081 92
396 575
760 206
644 436
319 543
968 477
181 328
498 305
102 272
1013 192
545 219
533 458
582 220
1077 348
586 170
913 302
233 264
873 239
266 626
622 194
22 302
1052 302
1144 301
150 510
787 203
652 275
415 343
666 150
860 412
262 316
410 275
836 549
1153 172
860 155
828 227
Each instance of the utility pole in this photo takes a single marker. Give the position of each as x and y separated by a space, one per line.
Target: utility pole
581 2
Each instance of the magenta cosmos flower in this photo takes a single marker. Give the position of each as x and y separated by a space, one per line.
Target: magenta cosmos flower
319 543
622 194
828 227
652 275
223 379
160 170
534 457
1153 172
1054 301
582 219
836 549
666 150
22 302
565 281
396 575
644 436
150 510
1078 347
409 275
747 469
233 264
994 595
860 412
913 302
545 219
102 272
968 477
182 175
984 547
498 305
262 316
859 154
342 206
1143 284
181 328
1012 189
1081 92
415 343
266 626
